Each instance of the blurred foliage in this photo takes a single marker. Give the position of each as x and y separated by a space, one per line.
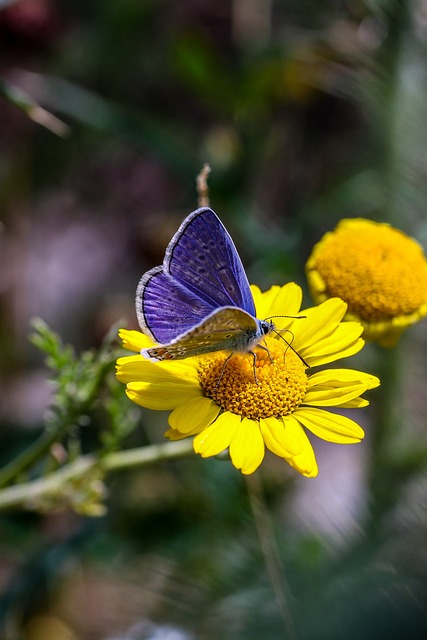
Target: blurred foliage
80 386
307 112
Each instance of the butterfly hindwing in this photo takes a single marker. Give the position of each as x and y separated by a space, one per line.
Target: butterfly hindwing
164 308
226 328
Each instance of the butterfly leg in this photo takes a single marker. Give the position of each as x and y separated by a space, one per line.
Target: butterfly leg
254 356
263 346
254 365
222 370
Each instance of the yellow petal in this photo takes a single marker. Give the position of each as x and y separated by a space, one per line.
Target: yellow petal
287 301
162 397
286 438
343 342
316 283
217 437
171 434
277 301
247 446
329 426
260 301
356 403
194 415
319 323
263 299
136 368
342 376
134 340
127 368
335 387
333 397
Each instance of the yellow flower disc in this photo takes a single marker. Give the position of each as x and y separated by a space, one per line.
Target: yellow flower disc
279 387
379 271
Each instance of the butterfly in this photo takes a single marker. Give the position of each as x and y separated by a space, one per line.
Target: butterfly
199 300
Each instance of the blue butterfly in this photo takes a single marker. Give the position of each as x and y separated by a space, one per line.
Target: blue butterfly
199 301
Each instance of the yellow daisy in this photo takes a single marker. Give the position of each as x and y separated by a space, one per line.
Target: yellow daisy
225 408
380 272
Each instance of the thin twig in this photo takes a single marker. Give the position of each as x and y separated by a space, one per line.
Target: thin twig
38 114
202 186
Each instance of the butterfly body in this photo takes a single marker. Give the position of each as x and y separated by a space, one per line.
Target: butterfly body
229 329
199 300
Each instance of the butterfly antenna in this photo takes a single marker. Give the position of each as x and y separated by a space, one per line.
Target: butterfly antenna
293 317
284 340
291 347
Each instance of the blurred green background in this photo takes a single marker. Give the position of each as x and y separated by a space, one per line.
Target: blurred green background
308 112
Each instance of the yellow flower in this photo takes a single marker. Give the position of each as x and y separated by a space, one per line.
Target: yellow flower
377 270
224 407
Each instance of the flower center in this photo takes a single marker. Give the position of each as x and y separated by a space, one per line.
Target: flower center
379 271
279 387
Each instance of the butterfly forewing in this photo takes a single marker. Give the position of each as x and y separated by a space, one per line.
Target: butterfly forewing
202 257
227 328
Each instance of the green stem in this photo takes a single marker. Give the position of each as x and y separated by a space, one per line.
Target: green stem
270 553
384 482
28 457
143 456
29 494
54 433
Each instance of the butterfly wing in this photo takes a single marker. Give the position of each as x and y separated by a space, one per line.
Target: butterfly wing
202 257
166 309
226 328
201 272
